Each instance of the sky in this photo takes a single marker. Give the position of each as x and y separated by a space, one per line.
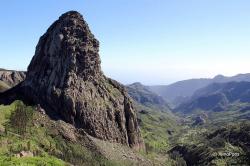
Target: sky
148 41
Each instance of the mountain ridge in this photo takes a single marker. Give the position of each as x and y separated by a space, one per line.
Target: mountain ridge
10 78
217 97
182 90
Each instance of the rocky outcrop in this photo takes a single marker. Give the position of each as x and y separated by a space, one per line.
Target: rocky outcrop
199 120
65 78
24 154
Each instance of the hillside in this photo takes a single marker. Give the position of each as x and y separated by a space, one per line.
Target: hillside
226 145
3 86
10 78
144 96
155 118
44 141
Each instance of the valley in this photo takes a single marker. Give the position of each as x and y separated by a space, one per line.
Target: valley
194 137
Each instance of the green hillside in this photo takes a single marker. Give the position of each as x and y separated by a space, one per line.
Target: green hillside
3 86
52 143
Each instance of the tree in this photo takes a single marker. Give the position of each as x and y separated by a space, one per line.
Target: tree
20 118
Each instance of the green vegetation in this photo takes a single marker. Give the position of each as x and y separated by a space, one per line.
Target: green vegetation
31 161
3 86
223 135
158 129
17 134
20 119
234 112
24 130
222 140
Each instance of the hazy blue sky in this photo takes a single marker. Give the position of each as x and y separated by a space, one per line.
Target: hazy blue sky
151 41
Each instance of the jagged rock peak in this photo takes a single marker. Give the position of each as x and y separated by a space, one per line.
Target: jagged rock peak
69 45
65 78
71 13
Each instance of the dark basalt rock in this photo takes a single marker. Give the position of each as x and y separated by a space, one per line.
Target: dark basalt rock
65 78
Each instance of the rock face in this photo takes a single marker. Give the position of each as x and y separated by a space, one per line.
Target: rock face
65 78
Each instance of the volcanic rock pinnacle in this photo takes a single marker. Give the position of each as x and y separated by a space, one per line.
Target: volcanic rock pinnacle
65 78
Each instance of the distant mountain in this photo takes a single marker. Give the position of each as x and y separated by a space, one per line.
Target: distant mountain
179 92
144 96
10 78
217 97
